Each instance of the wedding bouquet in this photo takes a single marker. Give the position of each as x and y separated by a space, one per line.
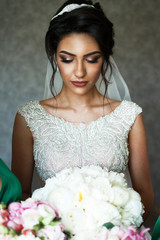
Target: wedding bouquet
90 197
88 203
30 220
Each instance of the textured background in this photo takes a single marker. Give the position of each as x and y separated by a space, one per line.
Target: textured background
23 25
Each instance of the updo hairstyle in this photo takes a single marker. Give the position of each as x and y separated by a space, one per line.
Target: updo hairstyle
89 20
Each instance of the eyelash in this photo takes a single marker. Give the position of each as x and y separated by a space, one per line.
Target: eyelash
95 60
65 60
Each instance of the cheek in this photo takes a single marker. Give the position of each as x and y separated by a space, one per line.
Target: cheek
65 70
95 72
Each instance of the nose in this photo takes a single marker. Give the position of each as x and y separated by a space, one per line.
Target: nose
80 70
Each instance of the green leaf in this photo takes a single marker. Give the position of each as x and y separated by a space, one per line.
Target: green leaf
57 219
3 205
54 223
68 234
40 219
37 227
47 220
108 225
3 230
12 233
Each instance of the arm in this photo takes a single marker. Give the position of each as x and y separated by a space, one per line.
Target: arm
139 164
22 155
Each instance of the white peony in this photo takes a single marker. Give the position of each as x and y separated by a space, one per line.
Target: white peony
90 196
132 214
30 217
106 234
119 196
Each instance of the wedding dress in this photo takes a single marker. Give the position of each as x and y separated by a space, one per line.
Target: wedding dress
59 144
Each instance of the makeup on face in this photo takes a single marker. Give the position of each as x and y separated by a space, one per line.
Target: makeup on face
91 57
79 60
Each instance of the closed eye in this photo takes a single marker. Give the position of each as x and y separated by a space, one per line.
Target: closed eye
93 60
66 60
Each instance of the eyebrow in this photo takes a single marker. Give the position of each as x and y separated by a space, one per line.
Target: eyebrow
86 55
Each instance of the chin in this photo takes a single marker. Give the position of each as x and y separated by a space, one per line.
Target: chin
82 91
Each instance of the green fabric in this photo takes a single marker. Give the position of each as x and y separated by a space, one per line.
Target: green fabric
11 190
156 230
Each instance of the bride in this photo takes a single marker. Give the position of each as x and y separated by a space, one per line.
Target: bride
82 123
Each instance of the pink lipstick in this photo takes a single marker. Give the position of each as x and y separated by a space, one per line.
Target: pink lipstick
79 83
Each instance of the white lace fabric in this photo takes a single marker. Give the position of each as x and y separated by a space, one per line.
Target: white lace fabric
59 144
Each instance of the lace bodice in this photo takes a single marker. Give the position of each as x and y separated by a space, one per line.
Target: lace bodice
59 144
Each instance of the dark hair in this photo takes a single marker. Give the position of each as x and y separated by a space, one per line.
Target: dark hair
82 20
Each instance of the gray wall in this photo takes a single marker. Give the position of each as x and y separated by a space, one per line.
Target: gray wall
23 62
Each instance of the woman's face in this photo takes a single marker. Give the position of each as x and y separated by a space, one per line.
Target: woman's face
79 60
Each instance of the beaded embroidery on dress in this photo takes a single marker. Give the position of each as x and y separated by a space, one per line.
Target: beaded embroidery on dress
59 144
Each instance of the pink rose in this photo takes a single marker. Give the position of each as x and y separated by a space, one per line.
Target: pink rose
16 227
133 234
15 220
14 206
29 205
15 210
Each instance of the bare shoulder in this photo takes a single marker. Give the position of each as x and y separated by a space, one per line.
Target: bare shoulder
20 125
139 123
20 120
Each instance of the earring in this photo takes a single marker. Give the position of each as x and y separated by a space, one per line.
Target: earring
57 69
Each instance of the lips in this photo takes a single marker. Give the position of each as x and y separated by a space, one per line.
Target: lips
79 83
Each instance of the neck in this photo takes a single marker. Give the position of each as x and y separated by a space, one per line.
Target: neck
78 101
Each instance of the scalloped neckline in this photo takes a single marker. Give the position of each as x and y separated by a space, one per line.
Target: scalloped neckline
81 123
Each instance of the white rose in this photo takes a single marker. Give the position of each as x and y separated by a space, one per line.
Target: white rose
30 218
51 232
46 211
